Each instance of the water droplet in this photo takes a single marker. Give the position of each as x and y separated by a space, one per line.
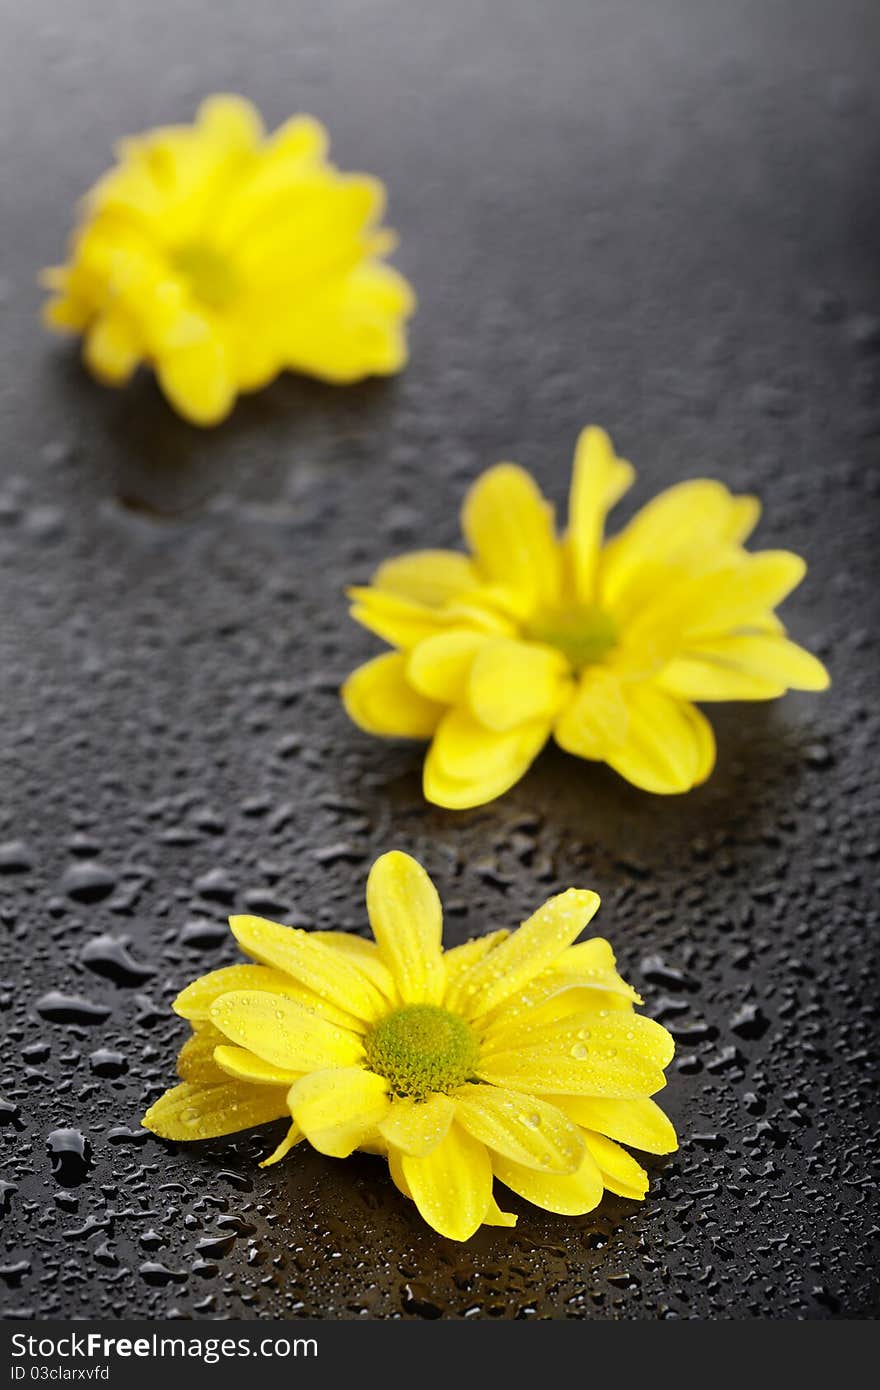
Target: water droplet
70 1153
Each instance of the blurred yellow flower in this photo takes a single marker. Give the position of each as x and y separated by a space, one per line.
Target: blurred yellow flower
516 1056
221 256
606 645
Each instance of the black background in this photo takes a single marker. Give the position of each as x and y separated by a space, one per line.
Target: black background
659 216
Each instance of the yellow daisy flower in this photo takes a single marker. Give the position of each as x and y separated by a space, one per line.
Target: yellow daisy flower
606 645
516 1056
222 256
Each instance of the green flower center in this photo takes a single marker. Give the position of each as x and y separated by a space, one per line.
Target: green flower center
582 633
211 276
422 1049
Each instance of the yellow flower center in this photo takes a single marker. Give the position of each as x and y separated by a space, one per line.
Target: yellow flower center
422 1049
211 276
582 633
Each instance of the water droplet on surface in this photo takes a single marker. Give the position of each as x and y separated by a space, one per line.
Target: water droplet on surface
70 1153
88 882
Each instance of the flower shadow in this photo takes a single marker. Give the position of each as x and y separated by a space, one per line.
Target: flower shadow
762 753
166 467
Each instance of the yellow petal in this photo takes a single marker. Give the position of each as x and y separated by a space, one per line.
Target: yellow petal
692 678
617 1055
293 1136
321 969
452 1185
728 596
695 517
620 1172
247 1066
379 698
395 1168
599 480
731 599
571 1194
638 1122
439 667
468 765
581 977
755 666
511 683
546 1076
528 1130
399 621
433 577
596 718
459 959
509 527
407 921
362 953
418 1126
112 348
195 1061
744 515
496 1217
337 1108
528 951
669 745
603 1036
192 1111
353 328
198 382
283 1033
596 962
195 1001
232 120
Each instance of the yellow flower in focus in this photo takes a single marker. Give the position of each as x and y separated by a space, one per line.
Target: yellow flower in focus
606 645
222 256
515 1057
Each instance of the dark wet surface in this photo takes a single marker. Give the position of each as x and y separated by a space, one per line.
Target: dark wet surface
660 216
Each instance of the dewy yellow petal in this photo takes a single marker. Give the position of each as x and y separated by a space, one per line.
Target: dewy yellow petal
620 1172
205 1112
639 1122
362 953
195 1061
572 1194
418 1126
247 1066
407 921
523 955
521 1127
341 982
337 1108
451 1185
293 1136
283 1033
195 1001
